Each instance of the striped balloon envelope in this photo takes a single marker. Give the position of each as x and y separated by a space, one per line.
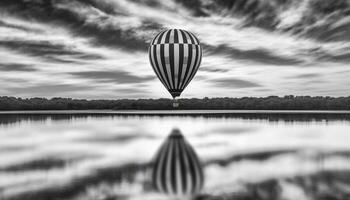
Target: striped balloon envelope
175 56
176 169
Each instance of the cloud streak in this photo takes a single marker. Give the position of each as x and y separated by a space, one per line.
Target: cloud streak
235 83
256 55
48 89
120 77
13 67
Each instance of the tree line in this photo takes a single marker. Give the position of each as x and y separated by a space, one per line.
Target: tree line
289 102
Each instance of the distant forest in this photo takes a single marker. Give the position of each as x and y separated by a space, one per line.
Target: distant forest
245 103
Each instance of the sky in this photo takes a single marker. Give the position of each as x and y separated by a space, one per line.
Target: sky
97 49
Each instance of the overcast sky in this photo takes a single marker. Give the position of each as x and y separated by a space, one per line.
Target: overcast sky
97 49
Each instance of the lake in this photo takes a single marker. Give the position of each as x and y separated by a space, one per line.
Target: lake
106 154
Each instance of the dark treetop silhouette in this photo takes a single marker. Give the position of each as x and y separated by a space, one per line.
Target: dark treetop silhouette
245 103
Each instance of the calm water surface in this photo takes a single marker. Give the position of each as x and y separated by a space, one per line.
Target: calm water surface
105 156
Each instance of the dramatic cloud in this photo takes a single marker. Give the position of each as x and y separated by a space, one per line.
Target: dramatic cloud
98 48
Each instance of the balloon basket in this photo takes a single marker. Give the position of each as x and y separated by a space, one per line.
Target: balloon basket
175 104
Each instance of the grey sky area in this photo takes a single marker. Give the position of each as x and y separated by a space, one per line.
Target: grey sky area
97 49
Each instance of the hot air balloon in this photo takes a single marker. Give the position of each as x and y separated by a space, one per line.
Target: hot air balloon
176 169
175 56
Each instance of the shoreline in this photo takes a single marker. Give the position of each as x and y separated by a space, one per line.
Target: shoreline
173 112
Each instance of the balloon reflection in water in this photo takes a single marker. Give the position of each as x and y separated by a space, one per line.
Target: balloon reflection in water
176 168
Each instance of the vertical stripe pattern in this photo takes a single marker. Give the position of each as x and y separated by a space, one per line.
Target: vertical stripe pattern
176 167
175 56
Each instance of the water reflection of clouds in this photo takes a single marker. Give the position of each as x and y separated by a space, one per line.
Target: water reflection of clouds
84 152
